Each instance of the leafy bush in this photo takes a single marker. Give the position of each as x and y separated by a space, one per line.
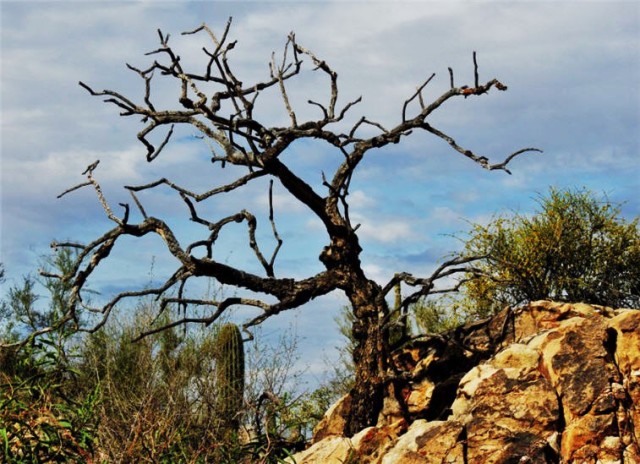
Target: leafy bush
39 422
72 397
42 418
433 316
575 248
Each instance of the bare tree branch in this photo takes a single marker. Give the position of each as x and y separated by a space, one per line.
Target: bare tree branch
202 196
219 107
221 308
417 94
481 160
279 241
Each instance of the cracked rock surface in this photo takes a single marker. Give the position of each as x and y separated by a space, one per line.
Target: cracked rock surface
544 383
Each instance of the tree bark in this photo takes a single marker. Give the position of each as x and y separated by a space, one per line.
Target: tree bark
371 350
370 355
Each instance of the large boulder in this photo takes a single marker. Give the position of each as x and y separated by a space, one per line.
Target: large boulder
545 383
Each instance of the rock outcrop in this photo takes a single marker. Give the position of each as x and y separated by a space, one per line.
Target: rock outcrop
545 383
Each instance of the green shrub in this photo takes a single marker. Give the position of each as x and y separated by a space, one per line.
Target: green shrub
39 421
43 418
575 248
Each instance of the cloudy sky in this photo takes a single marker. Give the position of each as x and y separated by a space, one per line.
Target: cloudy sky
572 68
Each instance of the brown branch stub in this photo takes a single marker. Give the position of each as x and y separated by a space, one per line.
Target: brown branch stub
91 167
503 165
476 78
418 94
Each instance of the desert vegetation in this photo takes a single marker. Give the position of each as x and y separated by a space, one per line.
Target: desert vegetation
205 395
179 379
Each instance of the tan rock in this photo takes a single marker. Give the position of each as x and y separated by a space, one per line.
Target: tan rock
574 360
626 343
536 317
548 382
517 360
391 411
611 450
443 442
406 443
581 309
544 315
582 437
468 385
333 421
372 443
420 396
429 443
330 450
511 417
631 454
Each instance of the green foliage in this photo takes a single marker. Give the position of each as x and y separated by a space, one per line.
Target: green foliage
575 248
38 421
437 316
229 375
42 418
276 416
305 413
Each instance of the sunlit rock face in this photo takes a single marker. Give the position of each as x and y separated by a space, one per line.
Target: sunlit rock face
545 383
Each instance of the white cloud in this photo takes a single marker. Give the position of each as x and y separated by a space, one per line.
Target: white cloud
59 170
283 203
444 216
358 199
384 231
377 273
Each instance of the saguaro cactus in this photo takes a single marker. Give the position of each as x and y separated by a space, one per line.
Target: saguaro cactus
400 329
229 375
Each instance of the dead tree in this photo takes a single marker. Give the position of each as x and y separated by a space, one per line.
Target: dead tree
221 109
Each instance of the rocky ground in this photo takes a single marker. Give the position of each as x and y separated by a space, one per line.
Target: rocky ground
545 383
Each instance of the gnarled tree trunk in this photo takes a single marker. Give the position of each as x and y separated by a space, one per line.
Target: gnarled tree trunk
370 357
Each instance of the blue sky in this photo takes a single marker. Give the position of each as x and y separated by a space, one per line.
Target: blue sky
572 69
